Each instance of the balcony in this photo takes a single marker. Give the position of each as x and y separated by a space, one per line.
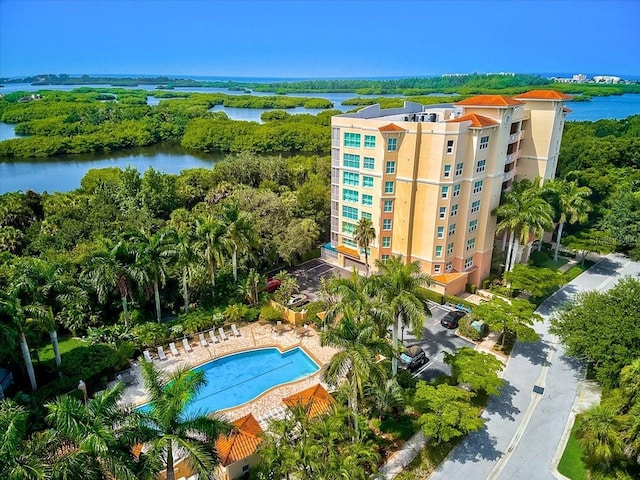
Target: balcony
508 175
335 176
512 157
514 137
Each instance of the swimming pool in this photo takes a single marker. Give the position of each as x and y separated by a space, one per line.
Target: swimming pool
238 378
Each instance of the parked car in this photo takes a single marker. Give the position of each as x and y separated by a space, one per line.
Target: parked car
450 320
298 300
413 358
272 285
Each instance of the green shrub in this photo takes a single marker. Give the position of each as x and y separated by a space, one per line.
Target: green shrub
465 329
313 308
457 300
251 314
433 296
149 334
236 312
471 288
199 320
538 258
270 314
124 353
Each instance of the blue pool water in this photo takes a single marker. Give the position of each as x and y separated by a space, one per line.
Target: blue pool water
236 379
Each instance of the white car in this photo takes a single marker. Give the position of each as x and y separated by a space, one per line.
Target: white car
298 300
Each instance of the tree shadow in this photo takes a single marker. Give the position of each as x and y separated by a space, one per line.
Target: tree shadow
478 446
535 352
503 405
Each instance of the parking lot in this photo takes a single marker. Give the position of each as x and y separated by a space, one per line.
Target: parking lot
310 273
435 341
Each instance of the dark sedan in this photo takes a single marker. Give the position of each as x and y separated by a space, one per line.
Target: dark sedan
450 320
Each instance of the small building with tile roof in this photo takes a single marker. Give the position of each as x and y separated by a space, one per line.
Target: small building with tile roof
238 450
316 400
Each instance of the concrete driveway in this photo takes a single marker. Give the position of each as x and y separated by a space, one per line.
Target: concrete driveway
309 274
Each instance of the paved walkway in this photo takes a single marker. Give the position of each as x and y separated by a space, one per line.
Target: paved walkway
524 427
403 457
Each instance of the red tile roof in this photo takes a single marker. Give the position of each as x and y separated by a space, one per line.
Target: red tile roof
544 95
348 251
446 278
316 400
489 101
241 443
476 120
392 127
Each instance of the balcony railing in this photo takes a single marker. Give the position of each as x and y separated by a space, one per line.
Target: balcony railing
508 175
335 176
514 137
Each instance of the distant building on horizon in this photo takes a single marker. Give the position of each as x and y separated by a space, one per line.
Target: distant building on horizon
606 79
431 176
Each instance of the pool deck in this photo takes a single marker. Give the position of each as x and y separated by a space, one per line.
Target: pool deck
254 335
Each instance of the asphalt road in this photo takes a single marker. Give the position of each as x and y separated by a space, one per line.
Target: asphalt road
523 428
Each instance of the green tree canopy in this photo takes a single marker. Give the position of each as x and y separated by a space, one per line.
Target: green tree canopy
476 369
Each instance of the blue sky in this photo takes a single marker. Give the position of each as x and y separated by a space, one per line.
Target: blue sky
318 38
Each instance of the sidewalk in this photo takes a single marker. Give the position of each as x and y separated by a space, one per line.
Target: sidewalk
403 457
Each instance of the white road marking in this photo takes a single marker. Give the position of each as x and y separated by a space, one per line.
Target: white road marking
422 369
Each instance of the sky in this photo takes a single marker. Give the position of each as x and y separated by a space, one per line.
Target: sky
318 39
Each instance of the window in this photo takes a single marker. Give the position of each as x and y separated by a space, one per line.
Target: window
369 163
440 232
245 468
475 206
351 161
449 147
448 267
450 248
348 228
350 195
349 243
369 141
386 242
365 215
386 224
350 212
367 182
473 225
389 187
452 229
352 140
385 258
456 191
459 169
444 192
437 268
392 144
484 143
477 186
443 212
388 206
468 262
471 243
454 210
480 166
447 171
367 199
349 178
438 251
390 168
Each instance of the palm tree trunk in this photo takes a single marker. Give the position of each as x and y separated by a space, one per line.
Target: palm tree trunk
171 474
185 290
514 254
213 285
234 261
504 240
27 361
125 309
507 260
394 360
53 335
366 260
355 412
156 294
555 253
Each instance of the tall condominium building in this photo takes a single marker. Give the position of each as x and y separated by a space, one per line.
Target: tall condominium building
431 177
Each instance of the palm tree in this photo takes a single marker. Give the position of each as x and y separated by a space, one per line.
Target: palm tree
186 260
171 429
22 457
210 246
252 286
239 232
109 269
599 433
288 286
573 205
94 440
153 253
358 345
402 287
364 234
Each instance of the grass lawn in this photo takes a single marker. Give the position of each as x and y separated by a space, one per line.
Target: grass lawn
401 428
554 265
65 344
571 464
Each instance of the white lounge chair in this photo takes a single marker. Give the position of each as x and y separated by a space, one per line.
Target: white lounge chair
203 341
214 339
174 350
147 356
235 330
223 335
185 344
161 354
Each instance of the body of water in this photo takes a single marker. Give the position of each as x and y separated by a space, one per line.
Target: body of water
239 378
63 173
